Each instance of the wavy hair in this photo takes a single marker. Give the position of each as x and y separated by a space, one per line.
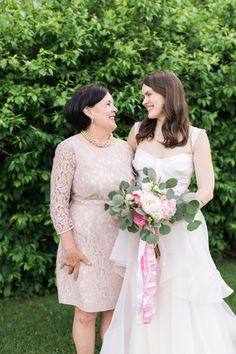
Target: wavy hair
175 128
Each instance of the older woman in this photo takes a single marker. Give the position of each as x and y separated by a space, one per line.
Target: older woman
86 167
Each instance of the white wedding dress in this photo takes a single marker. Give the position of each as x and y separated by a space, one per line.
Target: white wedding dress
191 316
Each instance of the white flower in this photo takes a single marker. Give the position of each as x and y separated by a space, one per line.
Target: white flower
152 205
129 197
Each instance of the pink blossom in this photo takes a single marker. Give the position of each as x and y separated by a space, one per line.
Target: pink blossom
139 220
137 199
169 207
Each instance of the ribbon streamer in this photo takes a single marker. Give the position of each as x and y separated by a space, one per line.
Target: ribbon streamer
146 282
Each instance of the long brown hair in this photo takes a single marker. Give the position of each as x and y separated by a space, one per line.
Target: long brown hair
175 128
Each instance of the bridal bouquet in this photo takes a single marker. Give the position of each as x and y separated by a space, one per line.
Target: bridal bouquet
152 207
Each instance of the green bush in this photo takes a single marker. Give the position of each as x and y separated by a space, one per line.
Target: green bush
49 47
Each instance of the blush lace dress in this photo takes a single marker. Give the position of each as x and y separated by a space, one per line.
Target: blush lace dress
82 176
191 316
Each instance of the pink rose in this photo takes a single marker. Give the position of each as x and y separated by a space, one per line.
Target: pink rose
169 207
139 220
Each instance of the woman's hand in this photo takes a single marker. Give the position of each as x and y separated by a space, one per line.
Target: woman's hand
72 260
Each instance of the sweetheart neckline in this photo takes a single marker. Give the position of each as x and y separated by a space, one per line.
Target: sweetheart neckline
162 158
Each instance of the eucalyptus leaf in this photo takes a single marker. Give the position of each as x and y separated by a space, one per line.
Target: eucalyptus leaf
133 228
189 217
162 186
111 194
179 215
124 224
170 194
192 207
145 171
164 229
118 199
171 183
131 189
125 212
124 185
116 209
151 238
193 225
152 174
130 217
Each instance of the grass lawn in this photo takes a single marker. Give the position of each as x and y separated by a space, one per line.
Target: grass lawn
41 326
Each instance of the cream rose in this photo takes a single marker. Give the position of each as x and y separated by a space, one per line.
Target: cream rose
152 205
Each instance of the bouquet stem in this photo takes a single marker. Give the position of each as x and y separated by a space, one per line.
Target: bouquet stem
157 251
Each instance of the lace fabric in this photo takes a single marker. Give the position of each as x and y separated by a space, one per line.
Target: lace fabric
82 177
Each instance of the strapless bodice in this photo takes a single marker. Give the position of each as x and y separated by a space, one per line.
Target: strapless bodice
178 166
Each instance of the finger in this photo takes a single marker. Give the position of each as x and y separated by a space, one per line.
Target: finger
70 269
63 264
84 259
76 272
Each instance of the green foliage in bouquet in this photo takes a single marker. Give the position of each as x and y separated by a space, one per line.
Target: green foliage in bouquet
126 203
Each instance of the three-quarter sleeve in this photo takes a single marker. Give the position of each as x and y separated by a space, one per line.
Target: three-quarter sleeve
61 182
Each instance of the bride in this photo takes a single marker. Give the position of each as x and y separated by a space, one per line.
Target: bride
190 315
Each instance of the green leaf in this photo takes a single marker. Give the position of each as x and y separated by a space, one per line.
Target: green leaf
162 186
123 186
111 194
171 183
179 215
194 225
189 217
133 228
118 199
125 212
151 238
152 174
164 229
145 171
144 233
192 207
124 224
170 194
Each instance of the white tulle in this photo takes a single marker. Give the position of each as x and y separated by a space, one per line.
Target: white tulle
191 316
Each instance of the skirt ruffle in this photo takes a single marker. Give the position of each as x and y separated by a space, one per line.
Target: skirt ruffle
191 316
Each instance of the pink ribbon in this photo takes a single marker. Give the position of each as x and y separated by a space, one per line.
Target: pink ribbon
149 274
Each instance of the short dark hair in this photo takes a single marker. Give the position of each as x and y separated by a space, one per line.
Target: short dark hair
87 95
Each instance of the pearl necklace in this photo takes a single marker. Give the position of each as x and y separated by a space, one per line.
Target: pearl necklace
94 142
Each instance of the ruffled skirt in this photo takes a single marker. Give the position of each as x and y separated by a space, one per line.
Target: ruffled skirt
190 316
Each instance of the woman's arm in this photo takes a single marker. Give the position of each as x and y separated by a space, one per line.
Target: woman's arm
203 169
61 182
132 139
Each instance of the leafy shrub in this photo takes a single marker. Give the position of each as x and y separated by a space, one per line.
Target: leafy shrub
49 47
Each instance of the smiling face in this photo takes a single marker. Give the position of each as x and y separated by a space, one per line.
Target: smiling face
103 113
153 102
